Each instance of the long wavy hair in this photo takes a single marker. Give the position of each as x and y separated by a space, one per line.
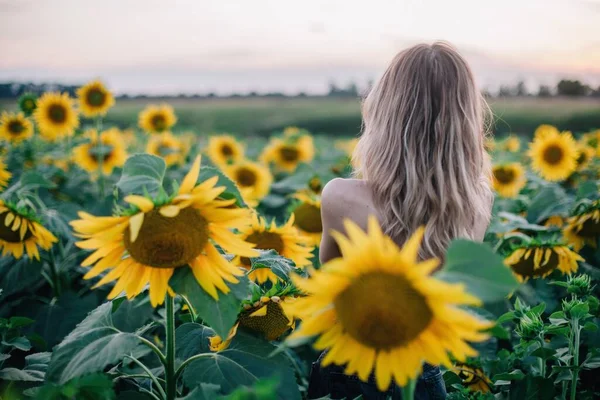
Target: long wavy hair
422 148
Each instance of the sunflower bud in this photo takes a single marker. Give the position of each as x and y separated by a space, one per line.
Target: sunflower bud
580 285
530 326
575 308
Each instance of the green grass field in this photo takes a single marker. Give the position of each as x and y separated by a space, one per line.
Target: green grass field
341 117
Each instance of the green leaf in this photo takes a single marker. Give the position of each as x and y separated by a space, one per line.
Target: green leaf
18 342
33 371
273 201
550 200
231 189
192 339
480 269
263 389
587 190
539 309
543 353
142 173
590 327
279 265
204 391
508 316
89 387
220 315
515 375
17 322
499 332
243 363
558 318
32 180
298 180
580 310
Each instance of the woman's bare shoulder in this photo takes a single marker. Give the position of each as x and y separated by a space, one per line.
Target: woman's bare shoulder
346 198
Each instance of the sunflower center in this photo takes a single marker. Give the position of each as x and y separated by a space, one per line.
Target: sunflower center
159 122
272 325
315 185
57 113
526 267
96 97
289 153
15 127
226 150
589 228
245 177
504 175
169 242
308 218
582 159
6 232
382 311
553 154
263 241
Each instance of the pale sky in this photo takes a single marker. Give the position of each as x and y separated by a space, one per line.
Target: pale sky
192 46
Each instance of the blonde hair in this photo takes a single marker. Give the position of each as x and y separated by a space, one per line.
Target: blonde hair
422 148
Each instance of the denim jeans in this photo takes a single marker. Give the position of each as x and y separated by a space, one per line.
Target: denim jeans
331 381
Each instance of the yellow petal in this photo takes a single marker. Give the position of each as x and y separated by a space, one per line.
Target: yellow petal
16 224
191 178
261 312
9 218
135 224
140 202
169 211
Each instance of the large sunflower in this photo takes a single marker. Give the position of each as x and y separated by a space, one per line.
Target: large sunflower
157 118
5 174
253 179
538 260
147 244
584 226
55 115
15 128
473 377
94 99
104 151
168 147
554 155
224 149
508 179
377 308
21 232
288 153
283 239
307 217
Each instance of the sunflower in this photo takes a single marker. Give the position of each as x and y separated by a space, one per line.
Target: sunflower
21 231
554 221
55 116
283 239
289 153
15 128
473 377
347 146
512 143
307 213
543 130
147 244
377 308
168 147
253 179
586 154
104 151
224 149
28 103
554 155
508 179
94 99
267 317
5 174
538 260
157 118
583 227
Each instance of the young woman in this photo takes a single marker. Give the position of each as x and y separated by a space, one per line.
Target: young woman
420 161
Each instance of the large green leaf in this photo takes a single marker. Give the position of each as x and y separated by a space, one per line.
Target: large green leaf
92 346
550 200
205 391
191 339
231 189
298 180
142 173
90 387
33 371
243 363
479 268
219 314
280 266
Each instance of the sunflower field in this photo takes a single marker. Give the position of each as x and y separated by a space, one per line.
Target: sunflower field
156 263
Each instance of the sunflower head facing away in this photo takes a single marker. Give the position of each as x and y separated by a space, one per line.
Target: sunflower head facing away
378 309
157 118
224 149
104 151
15 128
283 239
554 155
147 243
512 143
94 99
538 260
583 227
473 377
286 154
253 179
21 232
508 179
168 147
28 103
307 217
55 116
5 174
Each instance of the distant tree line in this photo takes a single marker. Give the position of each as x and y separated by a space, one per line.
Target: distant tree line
565 87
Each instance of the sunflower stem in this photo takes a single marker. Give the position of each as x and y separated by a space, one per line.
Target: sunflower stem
190 307
575 371
155 349
408 390
170 376
149 375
